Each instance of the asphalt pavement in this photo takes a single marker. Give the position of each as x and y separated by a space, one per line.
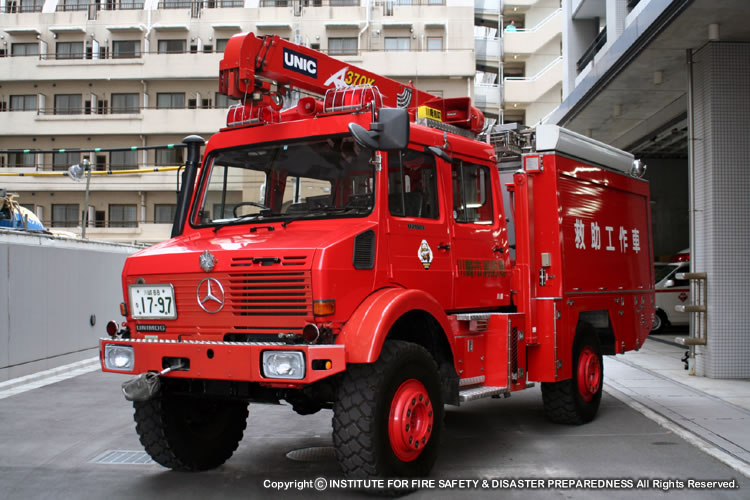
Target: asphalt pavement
659 433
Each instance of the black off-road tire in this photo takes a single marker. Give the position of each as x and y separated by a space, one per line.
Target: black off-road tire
189 433
361 413
563 401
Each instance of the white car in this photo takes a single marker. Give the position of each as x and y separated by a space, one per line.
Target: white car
670 292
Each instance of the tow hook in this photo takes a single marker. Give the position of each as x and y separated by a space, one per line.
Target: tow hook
146 385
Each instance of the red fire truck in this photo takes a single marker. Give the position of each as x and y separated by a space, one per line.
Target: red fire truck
368 251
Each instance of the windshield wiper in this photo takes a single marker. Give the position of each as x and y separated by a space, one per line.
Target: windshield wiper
237 220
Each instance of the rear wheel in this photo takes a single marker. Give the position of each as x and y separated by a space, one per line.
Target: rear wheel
388 416
576 400
187 433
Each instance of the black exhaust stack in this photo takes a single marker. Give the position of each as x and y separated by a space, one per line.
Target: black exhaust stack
194 143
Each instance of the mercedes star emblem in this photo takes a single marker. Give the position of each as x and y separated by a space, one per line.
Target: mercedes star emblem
210 295
207 261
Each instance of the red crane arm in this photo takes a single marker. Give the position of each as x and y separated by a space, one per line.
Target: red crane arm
248 57
260 70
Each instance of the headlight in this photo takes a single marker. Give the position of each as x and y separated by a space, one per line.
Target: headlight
283 364
119 357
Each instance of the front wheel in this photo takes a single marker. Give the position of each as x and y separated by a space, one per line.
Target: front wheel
388 416
576 400
190 433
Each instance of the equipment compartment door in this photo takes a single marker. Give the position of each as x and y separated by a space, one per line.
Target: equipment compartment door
419 242
479 243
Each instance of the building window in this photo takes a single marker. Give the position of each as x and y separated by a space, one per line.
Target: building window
69 50
21 160
172 46
24 49
65 215
393 43
223 101
221 44
164 214
170 100
68 104
169 157
123 216
126 49
123 160
69 5
129 4
342 46
61 161
23 103
125 103
435 43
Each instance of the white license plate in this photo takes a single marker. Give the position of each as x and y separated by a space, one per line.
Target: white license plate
152 302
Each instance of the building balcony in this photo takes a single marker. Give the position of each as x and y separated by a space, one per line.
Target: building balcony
488 97
140 66
530 89
143 122
489 51
531 40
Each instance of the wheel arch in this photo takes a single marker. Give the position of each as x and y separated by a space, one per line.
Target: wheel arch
600 322
388 314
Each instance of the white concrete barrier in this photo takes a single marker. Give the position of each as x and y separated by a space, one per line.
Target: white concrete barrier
56 296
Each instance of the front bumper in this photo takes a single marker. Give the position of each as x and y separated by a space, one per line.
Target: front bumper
237 361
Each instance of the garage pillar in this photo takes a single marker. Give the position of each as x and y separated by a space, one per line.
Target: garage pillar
720 199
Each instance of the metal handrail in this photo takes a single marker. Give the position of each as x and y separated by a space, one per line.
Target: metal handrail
699 334
538 25
538 75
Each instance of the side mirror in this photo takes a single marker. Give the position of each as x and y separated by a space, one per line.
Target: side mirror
389 133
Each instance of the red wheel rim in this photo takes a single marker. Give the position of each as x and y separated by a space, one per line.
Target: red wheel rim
589 374
410 420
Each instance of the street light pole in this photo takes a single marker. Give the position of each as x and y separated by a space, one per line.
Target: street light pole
87 167
76 172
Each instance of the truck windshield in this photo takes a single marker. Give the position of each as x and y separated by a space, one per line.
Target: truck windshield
319 178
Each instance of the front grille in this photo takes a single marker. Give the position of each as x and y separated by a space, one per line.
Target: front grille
270 294
289 260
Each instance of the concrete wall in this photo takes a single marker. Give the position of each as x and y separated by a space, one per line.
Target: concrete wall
50 288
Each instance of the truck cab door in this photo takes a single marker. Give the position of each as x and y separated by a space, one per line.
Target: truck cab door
419 242
479 244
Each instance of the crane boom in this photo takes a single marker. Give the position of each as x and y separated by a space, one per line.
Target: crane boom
262 70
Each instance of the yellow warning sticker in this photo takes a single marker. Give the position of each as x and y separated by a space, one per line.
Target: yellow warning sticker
431 113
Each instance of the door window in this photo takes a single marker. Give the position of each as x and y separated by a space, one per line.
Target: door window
412 185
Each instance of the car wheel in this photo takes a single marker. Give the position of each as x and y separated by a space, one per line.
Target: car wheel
660 322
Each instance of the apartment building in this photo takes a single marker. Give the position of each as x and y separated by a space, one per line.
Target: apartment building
519 62
86 74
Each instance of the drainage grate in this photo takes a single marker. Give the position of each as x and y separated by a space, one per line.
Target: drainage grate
316 454
123 457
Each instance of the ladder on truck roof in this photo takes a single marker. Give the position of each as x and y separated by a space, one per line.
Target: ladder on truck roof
510 142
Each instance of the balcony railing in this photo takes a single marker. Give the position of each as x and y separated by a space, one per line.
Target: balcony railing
200 4
13 7
595 46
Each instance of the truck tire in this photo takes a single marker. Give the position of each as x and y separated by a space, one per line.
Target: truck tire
576 400
187 433
388 415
